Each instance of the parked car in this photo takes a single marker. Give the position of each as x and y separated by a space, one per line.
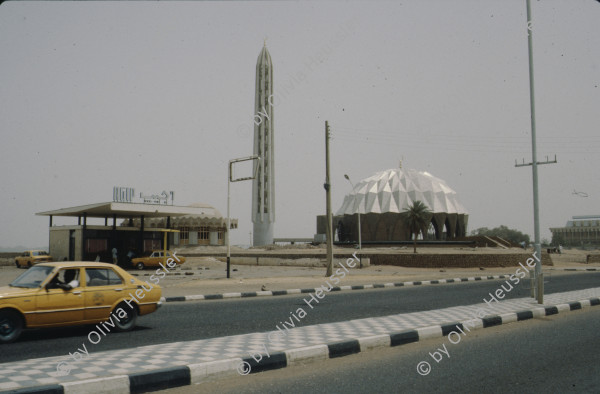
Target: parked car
74 293
157 258
31 257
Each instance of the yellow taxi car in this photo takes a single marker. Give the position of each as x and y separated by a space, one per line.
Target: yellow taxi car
156 259
74 293
30 257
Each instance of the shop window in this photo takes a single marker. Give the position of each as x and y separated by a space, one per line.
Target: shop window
203 233
95 245
184 235
152 244
203 236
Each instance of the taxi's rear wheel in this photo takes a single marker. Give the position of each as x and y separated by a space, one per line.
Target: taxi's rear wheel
17 264
125 323
140 265
11 326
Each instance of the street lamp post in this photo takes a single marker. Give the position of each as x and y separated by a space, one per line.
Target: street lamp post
231 178
358 212
228 224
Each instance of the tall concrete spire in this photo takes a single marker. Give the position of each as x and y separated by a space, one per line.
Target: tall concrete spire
263 187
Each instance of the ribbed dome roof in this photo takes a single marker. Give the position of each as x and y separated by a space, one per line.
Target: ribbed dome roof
395 189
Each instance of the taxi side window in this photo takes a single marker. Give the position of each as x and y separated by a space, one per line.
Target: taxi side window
102 277
65 276
113 278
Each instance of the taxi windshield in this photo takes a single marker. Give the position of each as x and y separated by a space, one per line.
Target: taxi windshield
33 277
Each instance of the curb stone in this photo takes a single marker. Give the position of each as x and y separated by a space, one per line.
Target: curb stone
199 297
186 375
220 296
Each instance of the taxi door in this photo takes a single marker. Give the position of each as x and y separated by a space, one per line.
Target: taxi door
55 305
103 288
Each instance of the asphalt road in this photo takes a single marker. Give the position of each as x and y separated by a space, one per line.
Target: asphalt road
557 354
207 319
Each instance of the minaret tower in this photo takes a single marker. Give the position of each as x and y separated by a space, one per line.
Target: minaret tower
263 186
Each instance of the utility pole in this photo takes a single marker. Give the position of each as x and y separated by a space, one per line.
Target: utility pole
327 186
539 279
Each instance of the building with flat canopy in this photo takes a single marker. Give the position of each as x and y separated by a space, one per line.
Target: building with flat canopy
583 230
141 229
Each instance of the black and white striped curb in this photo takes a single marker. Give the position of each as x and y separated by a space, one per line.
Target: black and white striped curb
182 273
185 375
336 288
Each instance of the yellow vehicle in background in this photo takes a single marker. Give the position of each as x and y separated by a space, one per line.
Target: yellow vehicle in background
31 257
74 293
157 258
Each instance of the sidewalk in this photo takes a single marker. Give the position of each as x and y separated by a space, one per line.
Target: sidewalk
190 362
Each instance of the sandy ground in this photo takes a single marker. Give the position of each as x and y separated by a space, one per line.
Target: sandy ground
207 275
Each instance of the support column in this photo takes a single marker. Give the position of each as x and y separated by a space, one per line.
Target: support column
113 235
141 239
169 235
83 230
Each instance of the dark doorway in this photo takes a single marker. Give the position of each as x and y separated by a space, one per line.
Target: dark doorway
71 245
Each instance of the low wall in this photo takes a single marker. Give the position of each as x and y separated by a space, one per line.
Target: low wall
455 260
297 262
592 258
8 258
459 260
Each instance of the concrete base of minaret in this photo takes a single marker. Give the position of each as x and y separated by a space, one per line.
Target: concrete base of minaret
263 234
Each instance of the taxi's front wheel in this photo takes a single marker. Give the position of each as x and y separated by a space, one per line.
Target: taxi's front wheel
125 323
11 326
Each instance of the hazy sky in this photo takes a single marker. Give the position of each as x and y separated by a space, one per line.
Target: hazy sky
160 96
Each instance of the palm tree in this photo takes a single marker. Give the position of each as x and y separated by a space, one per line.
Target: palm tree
417 219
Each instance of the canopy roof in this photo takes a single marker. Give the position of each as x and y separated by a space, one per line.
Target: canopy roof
126 210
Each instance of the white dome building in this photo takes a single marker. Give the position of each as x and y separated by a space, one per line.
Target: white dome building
382 200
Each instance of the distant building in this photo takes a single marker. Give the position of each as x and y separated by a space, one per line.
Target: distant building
142 228
382 199
580 231
206 227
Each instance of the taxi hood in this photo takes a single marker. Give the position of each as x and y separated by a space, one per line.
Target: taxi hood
8 292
